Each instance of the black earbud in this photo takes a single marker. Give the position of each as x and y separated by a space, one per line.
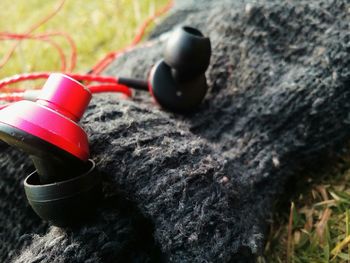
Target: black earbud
178 81
67 202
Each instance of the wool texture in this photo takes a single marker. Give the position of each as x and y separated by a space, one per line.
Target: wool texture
202 187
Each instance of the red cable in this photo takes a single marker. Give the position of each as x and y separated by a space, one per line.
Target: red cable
104 62
60 52
16 96
114 86
30 30
149 20
110 88
45 75
44 37
113 81
54 44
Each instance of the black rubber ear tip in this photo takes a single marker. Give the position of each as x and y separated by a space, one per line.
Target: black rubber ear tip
188 51
67 202
181 97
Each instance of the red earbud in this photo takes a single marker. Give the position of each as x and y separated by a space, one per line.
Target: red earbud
47 130
51 123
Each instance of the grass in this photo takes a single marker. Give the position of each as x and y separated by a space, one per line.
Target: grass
97 27
315 227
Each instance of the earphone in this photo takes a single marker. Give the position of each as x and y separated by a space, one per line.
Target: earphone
66 186
177 82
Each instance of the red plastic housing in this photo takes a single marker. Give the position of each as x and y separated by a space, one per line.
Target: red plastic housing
53 116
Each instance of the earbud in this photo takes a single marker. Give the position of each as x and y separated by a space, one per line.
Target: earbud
178 81
65 185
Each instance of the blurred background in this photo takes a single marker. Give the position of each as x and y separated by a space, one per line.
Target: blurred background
97 27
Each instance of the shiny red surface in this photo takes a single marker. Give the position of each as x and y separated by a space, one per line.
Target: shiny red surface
65 95
52 116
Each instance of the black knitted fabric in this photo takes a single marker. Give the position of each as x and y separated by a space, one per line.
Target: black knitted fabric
200 188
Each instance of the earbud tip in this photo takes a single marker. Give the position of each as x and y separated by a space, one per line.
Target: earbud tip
67 202
188 50
175 96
